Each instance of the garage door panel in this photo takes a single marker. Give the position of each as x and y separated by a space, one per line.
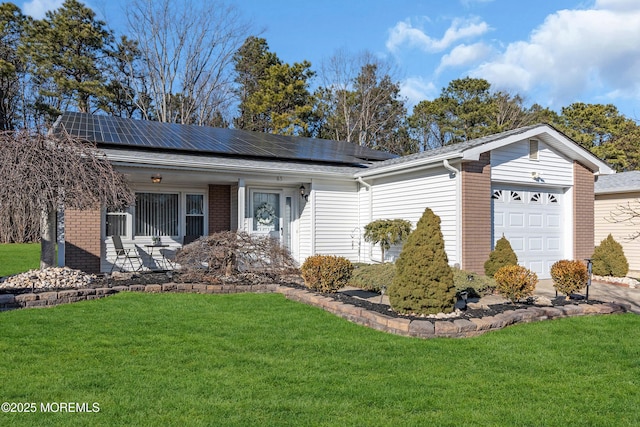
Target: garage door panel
516 219
517 243
536 220
536 244
553 220
553 243
537 267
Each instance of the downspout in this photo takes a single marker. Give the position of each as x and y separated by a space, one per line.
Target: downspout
370 190
448 166
458 179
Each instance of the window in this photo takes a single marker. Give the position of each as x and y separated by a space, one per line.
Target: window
515 196
156 214
116 223
497 195
159 214
536 198
194 220
552 199
533 149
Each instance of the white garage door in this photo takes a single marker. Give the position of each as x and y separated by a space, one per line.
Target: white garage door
531 219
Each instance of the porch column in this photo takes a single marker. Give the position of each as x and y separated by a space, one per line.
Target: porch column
242 195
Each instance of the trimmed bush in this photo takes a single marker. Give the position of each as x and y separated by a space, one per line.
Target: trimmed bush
387 232
501 256
515 282
326 273
609 259
474 284
569 276
372 277
424 281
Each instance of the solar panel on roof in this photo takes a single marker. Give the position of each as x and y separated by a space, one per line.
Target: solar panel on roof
115 131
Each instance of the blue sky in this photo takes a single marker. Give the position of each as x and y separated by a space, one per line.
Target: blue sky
553 52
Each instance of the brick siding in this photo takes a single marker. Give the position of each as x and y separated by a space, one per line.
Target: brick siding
476 214
219 208
583 212
82 239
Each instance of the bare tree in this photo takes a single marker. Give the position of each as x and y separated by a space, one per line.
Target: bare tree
628 214
361 101
186 49
40 174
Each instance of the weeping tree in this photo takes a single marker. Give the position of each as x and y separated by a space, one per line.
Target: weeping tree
387 232
41 174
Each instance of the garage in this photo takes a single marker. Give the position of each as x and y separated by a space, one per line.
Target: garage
531 219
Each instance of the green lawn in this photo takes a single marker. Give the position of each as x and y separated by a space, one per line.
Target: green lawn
18 257
262 360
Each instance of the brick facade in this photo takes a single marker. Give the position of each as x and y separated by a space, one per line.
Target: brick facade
82 239
219 208
583 212
476 214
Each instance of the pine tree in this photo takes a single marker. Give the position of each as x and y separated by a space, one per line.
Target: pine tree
424 281
609 259
501 256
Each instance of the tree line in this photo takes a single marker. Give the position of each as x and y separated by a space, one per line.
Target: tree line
198 63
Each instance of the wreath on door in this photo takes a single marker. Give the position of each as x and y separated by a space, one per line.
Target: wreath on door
265 214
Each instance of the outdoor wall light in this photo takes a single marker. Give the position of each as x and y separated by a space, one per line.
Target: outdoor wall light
535 175
303 192
156 178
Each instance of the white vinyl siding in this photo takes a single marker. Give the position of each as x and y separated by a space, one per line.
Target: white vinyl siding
407 197
304 230
512 164
605 205
336 219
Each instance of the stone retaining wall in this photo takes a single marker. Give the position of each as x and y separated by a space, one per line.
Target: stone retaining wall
48 299
456 328
427 328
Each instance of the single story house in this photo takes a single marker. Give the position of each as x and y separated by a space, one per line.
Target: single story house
615 196
533 185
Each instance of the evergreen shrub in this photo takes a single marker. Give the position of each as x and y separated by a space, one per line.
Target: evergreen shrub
326 273
475 285
373 277
501 256
569 276
423 283
609 259
515 282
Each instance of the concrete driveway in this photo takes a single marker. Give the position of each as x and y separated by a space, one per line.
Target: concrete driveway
600 291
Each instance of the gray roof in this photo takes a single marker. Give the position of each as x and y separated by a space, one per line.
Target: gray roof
454 148
623 182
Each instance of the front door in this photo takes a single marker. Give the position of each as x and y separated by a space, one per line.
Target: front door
273 214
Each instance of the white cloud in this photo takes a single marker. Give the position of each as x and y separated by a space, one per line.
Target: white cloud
37 8
404 34
617 4
573 52
464 55
416 89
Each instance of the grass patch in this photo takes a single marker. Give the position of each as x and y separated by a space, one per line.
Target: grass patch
18 257
259 359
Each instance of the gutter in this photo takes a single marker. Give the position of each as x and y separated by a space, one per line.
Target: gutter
404 167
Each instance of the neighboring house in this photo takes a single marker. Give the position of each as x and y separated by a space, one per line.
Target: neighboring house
533 185
615 195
